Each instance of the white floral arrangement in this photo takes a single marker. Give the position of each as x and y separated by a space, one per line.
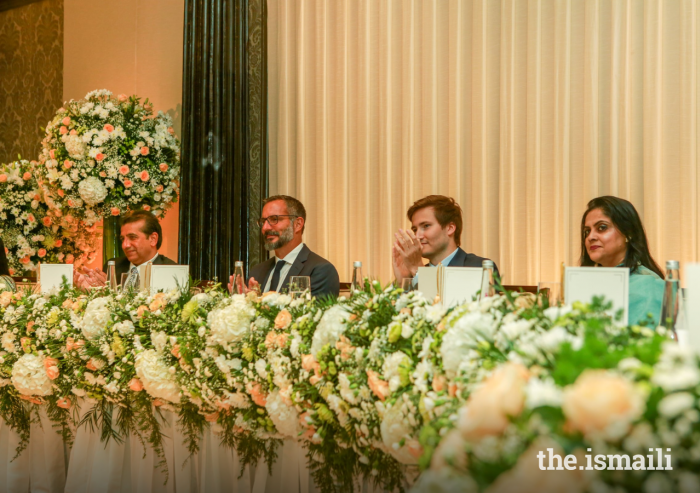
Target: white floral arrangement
106 155
384 385
30 232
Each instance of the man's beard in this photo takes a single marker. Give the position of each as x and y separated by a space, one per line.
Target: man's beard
282 239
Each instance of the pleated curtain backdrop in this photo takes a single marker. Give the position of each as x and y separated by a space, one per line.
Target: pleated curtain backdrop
523 110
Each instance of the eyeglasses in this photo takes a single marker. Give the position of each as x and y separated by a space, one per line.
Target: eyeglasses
272 219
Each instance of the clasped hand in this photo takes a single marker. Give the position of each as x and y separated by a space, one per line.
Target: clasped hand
407 254
241 288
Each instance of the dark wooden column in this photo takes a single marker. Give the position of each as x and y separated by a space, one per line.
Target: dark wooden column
224 135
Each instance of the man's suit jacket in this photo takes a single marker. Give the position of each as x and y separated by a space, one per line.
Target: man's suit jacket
324 277
122 264
464 259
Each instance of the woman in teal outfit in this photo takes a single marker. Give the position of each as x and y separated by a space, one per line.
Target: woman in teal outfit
612 235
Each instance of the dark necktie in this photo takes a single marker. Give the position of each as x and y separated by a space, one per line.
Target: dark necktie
276 275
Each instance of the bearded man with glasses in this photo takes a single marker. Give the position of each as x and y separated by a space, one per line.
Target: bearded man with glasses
282 226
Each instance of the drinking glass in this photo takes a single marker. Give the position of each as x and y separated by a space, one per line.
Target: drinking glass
298 285
125 276
552 290
407 284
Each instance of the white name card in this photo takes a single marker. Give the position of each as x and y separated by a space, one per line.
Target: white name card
692 306
168 277
458 284
612 283
51 276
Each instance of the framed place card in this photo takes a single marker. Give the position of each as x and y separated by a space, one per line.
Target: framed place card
583 283
692 305
457 285
51 276
168 277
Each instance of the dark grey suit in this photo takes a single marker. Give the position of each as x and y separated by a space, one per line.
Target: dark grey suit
464 259
122 264
324 277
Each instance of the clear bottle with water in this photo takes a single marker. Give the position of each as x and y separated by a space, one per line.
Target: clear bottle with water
112 275
238 278
487 283
357 281
672 309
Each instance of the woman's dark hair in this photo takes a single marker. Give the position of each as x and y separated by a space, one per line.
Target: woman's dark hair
4 266
626 219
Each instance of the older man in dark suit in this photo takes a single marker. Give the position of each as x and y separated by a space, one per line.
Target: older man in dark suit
435 234
282 225
141 237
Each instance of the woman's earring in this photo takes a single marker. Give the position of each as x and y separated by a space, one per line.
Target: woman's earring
627 240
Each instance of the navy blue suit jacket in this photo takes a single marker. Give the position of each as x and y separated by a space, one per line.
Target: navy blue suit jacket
464 259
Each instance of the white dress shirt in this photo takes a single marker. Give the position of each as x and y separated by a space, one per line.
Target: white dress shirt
289 260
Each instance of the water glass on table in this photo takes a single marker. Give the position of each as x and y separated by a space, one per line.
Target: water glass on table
298 285
406 284
552 290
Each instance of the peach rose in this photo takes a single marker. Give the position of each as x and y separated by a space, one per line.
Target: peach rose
123 169
3 178
309 363
171 130
61 194
46 220
115 211
439 383
283 319
145 176
135 385
175 351
146 207
71 203
109 128
282 339
211 418
270 340
377 385
30 326
51 367
122 98
5 298
26 343
42 252
30 217
502 395
25 260
99 157
63 403
7 250
63 130
66 121
70 258
163 167
141 310
67 164
26 176
128 183
91 365
601 404
52 153
159 188
73 132
59 243
346 349
144 151
103 174
256 393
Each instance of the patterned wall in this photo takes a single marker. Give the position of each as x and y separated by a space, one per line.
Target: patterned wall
31 75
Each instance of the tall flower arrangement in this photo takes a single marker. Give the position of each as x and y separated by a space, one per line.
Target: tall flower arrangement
30 233
105 155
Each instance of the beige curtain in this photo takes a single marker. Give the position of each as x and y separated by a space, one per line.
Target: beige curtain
523 110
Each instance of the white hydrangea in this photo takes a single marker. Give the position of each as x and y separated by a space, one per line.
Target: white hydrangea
392 369
329 329
232 322
124 328
96 317
156 378
92 191
8 342
395 431
284 416
75 146
29 376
